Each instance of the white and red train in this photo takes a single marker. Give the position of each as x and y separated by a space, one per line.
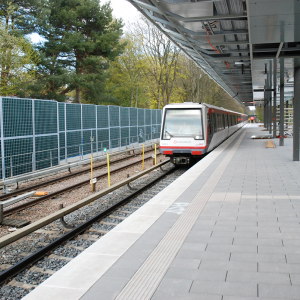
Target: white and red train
190 130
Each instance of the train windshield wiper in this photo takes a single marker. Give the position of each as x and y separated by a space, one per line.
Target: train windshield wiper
169 133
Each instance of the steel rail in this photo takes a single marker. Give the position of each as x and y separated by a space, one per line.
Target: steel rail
29 260
38 185
56 193
14 236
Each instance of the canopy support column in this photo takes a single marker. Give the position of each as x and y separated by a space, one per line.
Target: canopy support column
296 105
281 115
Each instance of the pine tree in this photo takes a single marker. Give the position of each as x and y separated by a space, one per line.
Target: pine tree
81 38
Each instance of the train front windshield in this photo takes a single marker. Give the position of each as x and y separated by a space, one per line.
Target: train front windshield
183 123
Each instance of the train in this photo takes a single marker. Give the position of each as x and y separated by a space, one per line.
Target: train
191 130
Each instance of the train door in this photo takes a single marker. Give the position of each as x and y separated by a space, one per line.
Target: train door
211 127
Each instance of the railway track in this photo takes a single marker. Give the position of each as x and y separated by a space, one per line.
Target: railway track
68 176
35 201
57 247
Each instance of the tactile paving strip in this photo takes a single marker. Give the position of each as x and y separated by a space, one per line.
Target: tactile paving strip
146 280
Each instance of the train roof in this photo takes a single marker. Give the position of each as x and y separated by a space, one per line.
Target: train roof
191 104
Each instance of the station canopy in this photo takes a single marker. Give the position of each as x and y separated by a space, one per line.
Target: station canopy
232 41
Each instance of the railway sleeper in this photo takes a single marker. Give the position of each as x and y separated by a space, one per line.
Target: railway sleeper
54 256
98 230
22 285
4 267
108 223
124 212
89 237
117 217
41 270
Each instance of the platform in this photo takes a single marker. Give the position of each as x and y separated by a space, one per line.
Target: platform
227 229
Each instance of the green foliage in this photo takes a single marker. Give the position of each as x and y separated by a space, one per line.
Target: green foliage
17 57
81 38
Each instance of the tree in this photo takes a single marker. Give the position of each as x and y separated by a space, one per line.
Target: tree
81 38
127 73
162 56
17 57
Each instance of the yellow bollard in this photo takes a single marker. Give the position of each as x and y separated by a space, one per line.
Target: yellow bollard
143 157
155 152
92 183
108 171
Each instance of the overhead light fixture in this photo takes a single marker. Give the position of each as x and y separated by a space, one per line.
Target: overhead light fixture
240 63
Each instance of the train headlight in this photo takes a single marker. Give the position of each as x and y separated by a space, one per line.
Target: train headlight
197 137
167 137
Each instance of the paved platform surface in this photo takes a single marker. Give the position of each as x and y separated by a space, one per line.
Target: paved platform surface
228 229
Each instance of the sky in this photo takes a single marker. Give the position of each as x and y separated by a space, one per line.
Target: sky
123 9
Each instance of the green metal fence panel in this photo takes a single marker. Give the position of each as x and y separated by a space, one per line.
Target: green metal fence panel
114 137
103 139
125 136
46 151
102 116
141 116
61 116
124 116
45 117
62 145
18 156
74 144
133 134
73 116
17 117
114 116
133 116
148 133
141 134
147 117
88 116
87 142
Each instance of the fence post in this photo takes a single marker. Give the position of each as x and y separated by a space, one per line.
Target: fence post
33 138
58 138
11 169
66 149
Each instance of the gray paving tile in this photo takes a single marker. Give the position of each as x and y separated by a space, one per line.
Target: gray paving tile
203 255
257 277
109 284
258 229
224 288
100 295
194 246
248 234
228 265
170 285
293 258
199 274
211 240
201 233
185 263
232 248
258 242
279 291
295 278
128 263
247 298
159 295
126 273
276 258
279 249
270 235
291 242
215 227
